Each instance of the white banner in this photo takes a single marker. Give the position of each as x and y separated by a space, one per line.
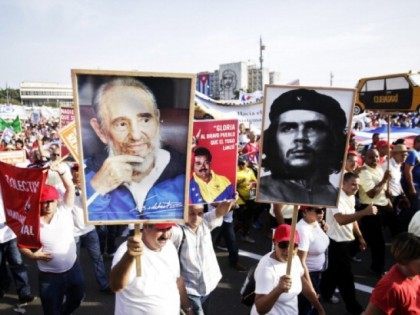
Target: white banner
249 114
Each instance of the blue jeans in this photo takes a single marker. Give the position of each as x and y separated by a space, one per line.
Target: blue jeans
229 236
197 303
107 237
10 252
91 242
53 287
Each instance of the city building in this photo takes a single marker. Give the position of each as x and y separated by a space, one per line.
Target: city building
256 81
230 79
41 93
233 77
274 77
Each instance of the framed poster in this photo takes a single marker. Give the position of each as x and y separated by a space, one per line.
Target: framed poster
213 161
133 129
305 134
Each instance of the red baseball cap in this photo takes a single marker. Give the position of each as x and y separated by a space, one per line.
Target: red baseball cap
382 144
352 152
164 225
49 193
302 208
283 233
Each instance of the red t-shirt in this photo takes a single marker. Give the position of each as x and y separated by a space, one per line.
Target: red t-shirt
396 294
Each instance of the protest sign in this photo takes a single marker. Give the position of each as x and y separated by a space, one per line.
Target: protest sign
68 135
134 132
66 118
13 157
22 186
214 161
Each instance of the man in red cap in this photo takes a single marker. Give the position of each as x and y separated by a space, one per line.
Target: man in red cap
276 292
60 275
383 148
160 289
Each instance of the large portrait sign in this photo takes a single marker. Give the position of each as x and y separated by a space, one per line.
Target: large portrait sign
134 131
213 161
305 134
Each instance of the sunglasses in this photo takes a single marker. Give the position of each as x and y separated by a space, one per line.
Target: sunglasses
284 245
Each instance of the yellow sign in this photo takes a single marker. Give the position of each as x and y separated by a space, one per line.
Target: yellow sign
68 135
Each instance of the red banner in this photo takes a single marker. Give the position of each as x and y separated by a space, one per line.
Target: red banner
21 190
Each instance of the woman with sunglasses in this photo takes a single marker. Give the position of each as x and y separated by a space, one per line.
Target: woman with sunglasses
313 243
275 292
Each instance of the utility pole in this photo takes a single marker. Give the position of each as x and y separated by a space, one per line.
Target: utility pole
331 78
7 94
262 47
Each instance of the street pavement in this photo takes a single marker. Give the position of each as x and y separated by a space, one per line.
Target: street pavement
225 299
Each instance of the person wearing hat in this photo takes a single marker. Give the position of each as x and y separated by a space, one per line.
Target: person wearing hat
398 220
61 283
276 292
303 145
383 148
160 289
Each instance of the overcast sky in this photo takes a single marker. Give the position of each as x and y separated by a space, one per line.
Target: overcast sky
42 40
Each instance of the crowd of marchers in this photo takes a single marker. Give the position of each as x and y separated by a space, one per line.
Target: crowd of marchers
179 265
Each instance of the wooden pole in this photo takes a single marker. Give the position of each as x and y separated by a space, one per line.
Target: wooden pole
292 241
389 149
138 261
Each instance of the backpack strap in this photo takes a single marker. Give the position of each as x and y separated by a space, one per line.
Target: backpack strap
182 240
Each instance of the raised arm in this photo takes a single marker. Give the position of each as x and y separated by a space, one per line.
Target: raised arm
120 273
65 176
344 219
223 207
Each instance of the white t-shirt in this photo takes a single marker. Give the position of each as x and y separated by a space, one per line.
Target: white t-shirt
267 276
395 188
57 238
156 291
314 241
337 232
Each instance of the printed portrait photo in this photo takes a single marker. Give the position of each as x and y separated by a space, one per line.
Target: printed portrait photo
305 134
213 161
134 136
